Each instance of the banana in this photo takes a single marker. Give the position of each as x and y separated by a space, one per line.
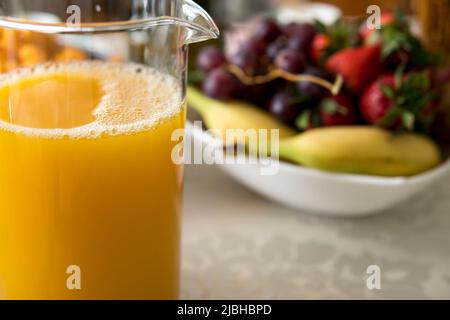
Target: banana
234 116
362 150
353 149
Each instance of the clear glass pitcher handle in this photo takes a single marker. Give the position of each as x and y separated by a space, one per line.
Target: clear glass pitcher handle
200 26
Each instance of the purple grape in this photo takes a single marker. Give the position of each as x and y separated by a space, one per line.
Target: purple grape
298 44
256 94
290 60
285 107
210 58
305 30
275 47
267 30
255 46
249 62
300 36
220 84
311 90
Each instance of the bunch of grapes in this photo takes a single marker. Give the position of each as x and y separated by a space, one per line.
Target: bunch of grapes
268 46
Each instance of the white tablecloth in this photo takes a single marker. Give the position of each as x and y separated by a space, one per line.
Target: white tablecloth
238 245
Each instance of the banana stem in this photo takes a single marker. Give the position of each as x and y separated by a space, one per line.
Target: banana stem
334 88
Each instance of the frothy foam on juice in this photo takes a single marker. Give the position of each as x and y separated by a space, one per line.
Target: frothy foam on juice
86 99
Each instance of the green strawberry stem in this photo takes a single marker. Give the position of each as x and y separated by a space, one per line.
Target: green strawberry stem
397 38
410 96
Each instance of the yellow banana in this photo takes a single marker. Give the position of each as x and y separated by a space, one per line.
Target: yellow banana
362 150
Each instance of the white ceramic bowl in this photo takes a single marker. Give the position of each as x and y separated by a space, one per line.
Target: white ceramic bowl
318 192
308 12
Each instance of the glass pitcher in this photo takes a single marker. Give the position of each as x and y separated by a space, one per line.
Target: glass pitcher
91 92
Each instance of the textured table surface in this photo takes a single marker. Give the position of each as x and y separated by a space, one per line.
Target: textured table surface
238 245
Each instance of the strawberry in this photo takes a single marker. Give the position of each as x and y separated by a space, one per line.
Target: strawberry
337 111
332 111
332 38
374 103
358 66
399 102
318 47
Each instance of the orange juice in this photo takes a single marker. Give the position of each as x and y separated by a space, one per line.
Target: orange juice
87 180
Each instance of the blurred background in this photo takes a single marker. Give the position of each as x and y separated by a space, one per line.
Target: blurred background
433 14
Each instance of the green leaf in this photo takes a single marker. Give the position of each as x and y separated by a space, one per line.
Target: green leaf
393 41
401 21
399 75
390 117
387 91
374 38
195 77
410 97
422 58
329 106
423 102
408 120
320 27
397 37
342 34
401 100
304 120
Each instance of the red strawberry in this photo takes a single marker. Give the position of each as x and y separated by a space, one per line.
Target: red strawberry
359 66
373 103
332 38
337 111
318 47
332 111
399 102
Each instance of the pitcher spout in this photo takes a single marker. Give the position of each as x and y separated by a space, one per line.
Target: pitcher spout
199 24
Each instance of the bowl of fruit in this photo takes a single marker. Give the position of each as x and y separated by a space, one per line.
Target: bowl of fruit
362 115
